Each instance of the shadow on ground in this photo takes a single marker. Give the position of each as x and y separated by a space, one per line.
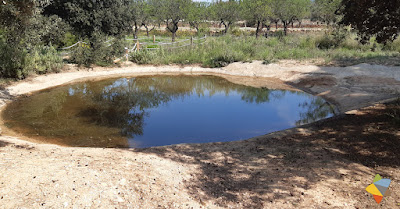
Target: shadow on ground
4 144
282 168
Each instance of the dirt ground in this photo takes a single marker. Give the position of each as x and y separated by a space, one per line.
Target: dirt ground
327 164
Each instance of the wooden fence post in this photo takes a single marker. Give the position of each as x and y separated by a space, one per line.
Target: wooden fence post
154 39
137 45
127 53
191 40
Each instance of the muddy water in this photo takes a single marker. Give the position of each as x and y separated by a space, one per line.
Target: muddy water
159 110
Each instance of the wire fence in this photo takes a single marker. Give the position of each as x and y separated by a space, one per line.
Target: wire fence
140 44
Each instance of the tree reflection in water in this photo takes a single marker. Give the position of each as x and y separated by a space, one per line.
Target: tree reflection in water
106 113
316 109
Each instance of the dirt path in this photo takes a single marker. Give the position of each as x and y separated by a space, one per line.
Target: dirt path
323 165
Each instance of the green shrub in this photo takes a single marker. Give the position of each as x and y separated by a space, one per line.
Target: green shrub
18 63
98 52
307 43
279 34
43 59
326 42
12 61
69 39
204 31
235 31
221 61
82 55
333 39
224 59
393 46
141 57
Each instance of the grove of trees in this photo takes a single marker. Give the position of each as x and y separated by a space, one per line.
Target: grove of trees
32 28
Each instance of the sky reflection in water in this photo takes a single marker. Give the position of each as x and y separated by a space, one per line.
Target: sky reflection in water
160 110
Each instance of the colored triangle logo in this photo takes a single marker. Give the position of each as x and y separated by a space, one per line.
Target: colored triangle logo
378 199
383 182
377 178
373 190
381 189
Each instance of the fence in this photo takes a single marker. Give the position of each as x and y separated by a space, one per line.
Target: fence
144 44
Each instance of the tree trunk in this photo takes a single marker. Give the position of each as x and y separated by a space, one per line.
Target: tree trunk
173 36
136 31
195 25
173 29
258 28
285 26
276 25
227 28
268 29
147 29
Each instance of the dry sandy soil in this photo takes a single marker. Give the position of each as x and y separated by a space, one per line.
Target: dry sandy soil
327 164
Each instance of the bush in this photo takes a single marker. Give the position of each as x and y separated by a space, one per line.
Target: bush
69 39
12 61
307 43
98 52
43 59
225 59
333 39
221 61
141 57
18 63
82 55
393 46
235 31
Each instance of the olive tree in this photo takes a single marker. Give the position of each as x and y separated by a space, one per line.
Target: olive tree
198 13
290 10
227 12
142 15
325 10
258 11
171 12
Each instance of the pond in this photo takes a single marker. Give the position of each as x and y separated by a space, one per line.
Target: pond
152 111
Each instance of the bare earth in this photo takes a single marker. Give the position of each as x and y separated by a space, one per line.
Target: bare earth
326 164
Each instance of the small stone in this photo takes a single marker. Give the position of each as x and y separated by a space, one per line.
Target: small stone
119 199
122 182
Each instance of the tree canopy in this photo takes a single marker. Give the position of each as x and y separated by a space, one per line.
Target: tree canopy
226 12
325 10
258 11
86 17
373 18
171 12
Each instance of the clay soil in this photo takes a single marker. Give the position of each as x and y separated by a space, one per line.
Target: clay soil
327 164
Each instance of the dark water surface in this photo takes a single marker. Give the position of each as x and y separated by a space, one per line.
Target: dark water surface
159 110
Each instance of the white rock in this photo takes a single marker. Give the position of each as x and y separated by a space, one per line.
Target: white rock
122 182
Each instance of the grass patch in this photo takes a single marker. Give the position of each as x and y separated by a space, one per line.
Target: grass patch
220 51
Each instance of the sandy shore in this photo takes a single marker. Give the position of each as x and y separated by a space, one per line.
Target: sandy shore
300 167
